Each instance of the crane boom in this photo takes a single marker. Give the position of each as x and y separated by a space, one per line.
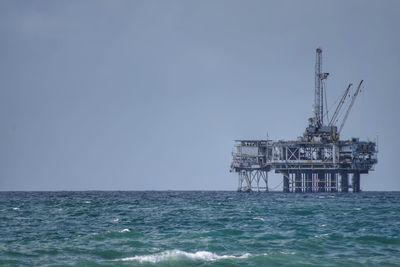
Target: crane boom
351 105
339 106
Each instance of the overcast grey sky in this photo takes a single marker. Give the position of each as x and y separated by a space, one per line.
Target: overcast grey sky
142 95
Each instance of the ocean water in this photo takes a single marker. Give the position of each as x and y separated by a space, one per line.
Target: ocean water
199 229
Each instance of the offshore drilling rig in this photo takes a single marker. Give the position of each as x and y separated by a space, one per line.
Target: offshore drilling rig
318 161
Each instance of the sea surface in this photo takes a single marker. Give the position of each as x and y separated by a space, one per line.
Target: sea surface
199 229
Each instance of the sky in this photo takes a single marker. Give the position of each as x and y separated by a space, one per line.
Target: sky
149 95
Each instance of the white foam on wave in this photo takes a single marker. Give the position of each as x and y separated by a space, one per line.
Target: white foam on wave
288 253
15 208
178 254
124 230
321 235
116 220
258 218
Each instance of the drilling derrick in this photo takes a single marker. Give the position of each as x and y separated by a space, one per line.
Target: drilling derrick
316 129
319 88
318 161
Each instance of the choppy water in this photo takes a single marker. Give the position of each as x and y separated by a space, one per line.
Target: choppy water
199 229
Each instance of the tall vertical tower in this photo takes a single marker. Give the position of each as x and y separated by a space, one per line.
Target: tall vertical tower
319 90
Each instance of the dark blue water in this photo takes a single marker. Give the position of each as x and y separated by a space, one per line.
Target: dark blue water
199 229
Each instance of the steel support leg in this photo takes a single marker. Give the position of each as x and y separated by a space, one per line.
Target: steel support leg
321 181
344 184
356 182
297 188
265 177
286 183
308 182
333 182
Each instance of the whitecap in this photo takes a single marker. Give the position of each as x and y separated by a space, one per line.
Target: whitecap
178 254
15 208
124 230
288 253
87 202
116 220
321 235
258 218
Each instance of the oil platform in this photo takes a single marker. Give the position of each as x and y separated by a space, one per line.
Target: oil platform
318 161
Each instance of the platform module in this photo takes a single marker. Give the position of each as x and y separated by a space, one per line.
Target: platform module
318 161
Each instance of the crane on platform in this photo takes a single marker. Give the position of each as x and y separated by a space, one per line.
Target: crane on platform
350 106
339 106
317 130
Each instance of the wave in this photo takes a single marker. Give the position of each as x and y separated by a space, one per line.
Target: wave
173 255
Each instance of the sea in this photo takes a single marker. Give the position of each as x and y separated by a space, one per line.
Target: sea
199 228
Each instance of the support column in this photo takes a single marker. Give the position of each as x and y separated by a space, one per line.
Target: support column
308 182
321 181
286 183
297 182
257 177
241 178
356 182
333 184
264 176
315 182
344 184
